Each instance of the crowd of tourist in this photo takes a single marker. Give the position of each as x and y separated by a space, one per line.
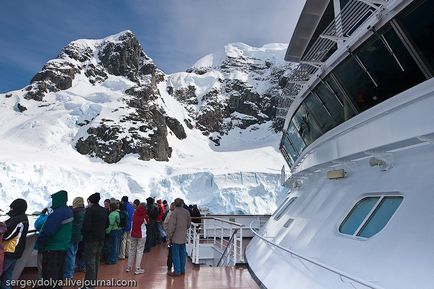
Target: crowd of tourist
77 238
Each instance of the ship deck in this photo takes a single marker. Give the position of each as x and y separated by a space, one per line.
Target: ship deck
155 275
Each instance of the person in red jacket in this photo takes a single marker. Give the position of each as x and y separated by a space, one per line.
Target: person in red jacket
138 238
161 234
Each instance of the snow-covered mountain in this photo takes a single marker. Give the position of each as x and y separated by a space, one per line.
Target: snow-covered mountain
234 88
103 117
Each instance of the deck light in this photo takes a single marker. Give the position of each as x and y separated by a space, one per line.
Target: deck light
336 174
381 163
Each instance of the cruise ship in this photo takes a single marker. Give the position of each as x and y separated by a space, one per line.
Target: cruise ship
359 139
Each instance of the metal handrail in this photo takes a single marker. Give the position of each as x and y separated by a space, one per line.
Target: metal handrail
227 246
218 219
194 240
319 264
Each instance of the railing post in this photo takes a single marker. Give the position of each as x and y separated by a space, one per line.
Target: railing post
192 244
241 246
189 241
221 238
215 234
235 248
197 246
204 224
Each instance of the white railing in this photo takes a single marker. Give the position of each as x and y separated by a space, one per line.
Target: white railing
224 236
338 272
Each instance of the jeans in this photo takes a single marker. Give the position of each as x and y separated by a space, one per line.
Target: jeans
179 257
8 268
80 259
148 244
169 259
52 265
113 246
70 260
161 234
92 251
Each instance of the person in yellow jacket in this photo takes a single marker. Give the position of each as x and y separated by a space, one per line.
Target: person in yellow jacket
14 239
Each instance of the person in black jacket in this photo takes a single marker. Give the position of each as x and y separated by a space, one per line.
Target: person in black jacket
93 230
14 239
152 210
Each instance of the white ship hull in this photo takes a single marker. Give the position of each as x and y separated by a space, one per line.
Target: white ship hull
399 131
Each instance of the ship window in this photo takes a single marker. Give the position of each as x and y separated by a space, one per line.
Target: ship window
326 106
356 83
370 215
418 22
349 110
390 64
306 125
284 208
286 156
296 139
289 147
378 70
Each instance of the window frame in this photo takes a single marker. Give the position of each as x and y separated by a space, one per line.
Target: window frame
285 206
380 197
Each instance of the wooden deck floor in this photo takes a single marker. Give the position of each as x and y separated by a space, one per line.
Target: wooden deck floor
155 275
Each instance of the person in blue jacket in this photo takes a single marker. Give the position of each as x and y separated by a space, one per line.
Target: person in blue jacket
40 221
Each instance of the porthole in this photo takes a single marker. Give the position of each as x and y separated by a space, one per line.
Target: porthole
370 215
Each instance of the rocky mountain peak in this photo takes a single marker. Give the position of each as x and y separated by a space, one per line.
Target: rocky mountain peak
120 55
108 88
237 87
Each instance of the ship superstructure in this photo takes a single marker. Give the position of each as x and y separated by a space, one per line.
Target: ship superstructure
359 139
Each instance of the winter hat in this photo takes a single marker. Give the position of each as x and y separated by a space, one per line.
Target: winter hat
3 228
59 199
150 200
18 206
124 199
94 198
78 202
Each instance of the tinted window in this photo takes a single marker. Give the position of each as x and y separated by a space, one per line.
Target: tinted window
390 65
289 148
306 125
296 139
355 218
348 107
380 216
370 215
418 22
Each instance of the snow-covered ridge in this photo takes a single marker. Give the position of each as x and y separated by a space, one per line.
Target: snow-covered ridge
273 52
90 100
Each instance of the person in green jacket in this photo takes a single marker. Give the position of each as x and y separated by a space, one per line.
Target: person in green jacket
113 233
55 237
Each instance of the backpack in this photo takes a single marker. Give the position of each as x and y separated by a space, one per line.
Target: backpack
123 215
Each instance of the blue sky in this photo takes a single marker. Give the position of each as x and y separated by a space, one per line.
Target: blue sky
174 33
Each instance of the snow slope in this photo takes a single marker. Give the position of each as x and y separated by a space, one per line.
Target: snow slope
38 157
